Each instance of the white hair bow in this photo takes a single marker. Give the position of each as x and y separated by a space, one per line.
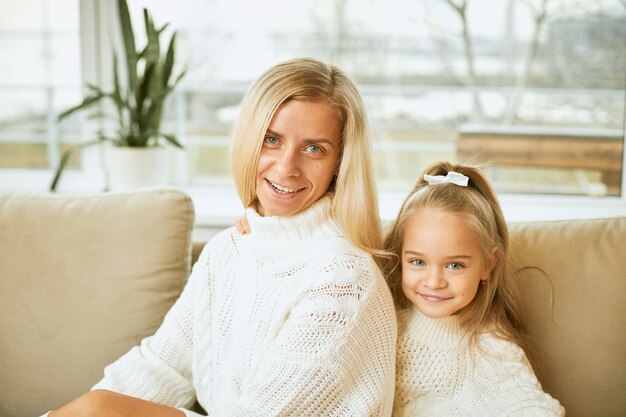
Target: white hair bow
452 178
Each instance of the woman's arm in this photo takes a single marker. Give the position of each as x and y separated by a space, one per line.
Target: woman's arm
156 375
333 355
160 368
100 403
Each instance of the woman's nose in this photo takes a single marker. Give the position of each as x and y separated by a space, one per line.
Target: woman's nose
287 163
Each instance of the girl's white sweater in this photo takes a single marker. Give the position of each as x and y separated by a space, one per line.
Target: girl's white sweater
290 320
438 374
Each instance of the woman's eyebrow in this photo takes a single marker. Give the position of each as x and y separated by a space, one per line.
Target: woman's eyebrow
271 132
306 141
320 140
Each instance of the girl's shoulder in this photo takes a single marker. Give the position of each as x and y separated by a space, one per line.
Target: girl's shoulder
502 360
500 348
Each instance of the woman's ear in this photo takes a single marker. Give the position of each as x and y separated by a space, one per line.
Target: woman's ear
491 262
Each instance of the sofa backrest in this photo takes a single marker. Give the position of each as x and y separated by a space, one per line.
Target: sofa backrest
82 280
577 309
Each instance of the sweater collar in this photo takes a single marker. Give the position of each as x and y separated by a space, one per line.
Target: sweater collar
313 222
439 331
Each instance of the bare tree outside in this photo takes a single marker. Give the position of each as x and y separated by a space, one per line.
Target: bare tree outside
538 15
470 79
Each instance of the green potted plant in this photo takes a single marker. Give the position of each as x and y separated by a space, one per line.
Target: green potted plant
138 102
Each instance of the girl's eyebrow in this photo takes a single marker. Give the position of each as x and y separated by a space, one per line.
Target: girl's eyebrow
411 252
459 257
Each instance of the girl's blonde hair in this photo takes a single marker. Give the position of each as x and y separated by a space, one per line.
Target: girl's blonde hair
496 308
354 206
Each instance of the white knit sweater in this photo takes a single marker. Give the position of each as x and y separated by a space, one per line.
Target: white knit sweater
290 320
439 375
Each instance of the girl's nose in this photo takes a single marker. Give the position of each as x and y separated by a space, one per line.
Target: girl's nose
434 278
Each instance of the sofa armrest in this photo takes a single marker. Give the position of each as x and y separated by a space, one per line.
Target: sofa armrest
83 279
579 339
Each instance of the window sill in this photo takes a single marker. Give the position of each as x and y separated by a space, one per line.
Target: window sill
220 206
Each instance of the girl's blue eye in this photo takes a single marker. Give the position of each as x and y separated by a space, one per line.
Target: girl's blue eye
314 149
271 140
455 265
416 262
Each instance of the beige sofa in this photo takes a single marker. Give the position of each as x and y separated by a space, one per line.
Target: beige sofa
82 279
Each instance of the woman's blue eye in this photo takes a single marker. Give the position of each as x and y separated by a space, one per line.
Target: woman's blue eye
271 139
314 149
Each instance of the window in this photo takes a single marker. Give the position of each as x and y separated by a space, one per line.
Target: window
39 73
534 89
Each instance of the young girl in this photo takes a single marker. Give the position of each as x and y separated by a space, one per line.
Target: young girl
461 341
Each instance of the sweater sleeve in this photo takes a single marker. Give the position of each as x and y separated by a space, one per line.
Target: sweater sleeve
334 354
518 391
159 369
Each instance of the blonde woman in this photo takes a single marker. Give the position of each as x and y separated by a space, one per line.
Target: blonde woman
293 318
462 347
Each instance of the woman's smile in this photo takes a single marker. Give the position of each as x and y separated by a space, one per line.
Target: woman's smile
283 190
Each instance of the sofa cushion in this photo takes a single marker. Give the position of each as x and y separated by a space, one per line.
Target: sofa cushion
579 337
82 280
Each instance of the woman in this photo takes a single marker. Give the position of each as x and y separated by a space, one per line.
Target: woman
293 318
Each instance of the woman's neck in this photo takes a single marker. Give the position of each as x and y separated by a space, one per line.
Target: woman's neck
291 232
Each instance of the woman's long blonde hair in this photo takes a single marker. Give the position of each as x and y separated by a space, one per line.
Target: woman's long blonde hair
496 308
354 206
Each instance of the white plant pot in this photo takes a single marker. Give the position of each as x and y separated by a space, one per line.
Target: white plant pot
131 168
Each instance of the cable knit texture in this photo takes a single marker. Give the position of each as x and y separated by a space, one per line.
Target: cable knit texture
438 374
290 320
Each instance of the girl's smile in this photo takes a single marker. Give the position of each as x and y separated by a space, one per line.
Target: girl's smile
434 298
